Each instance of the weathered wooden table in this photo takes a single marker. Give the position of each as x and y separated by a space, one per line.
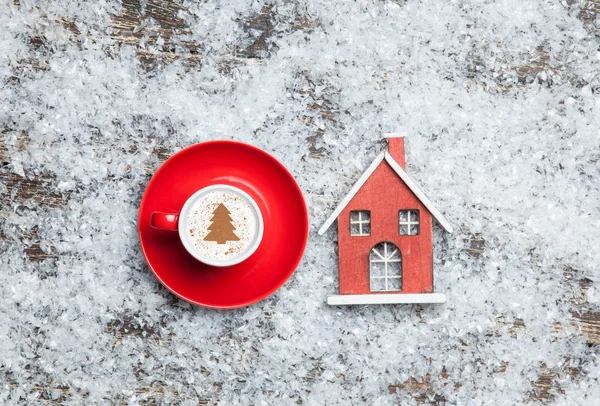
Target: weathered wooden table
159 44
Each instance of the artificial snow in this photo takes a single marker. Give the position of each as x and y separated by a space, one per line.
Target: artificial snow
499 101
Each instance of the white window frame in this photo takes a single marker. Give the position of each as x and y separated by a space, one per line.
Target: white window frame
389 250
360 223
409 223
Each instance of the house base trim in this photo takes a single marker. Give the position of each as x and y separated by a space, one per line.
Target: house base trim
341 300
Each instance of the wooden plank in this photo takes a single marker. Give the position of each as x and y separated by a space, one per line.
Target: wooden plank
476 245
544 389
161 36
151 20
133 325
11 140
49 392
420 389
34 251
261 47
544 386
33 191
158 32
547 386
590 326
588 13
524 69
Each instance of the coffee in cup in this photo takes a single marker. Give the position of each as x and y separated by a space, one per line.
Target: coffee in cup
219 225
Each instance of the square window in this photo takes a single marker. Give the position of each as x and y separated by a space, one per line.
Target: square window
408 222
403 215
394 284
377 284
394 268
360 222
414 216
366 229
377 268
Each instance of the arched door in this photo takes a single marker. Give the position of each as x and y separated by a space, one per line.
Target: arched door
385 268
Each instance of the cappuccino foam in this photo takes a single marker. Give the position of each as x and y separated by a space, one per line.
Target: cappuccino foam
220 234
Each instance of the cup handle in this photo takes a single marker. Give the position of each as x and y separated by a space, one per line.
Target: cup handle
164 221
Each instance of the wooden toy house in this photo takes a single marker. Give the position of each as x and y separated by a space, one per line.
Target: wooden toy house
385 244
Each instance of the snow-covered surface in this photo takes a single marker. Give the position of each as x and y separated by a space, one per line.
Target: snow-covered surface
500 100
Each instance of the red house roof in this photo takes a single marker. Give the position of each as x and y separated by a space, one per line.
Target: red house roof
412 185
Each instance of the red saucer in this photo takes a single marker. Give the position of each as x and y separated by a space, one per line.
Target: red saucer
280 201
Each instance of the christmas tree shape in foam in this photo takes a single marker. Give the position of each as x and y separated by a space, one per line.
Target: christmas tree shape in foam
221 229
